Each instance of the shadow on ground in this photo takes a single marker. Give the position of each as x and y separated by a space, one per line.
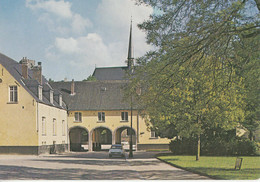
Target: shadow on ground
102 155
28 173
112 162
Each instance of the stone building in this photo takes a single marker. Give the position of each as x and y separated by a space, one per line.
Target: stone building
33 116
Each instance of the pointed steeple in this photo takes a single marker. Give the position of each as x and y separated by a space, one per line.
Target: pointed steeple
130 57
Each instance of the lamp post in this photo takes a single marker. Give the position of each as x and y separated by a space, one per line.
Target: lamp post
131 140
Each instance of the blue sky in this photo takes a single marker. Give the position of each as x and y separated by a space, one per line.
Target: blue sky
70 37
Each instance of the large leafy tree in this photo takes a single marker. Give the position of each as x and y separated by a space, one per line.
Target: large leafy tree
248 66
192 82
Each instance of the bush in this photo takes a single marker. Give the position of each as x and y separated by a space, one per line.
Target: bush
245 147
216 146
183 147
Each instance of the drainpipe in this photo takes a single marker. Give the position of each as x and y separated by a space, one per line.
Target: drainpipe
37 126
137 132
37 117
68 142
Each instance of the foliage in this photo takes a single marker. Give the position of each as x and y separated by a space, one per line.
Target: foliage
248 56
183 147
245 147
50 80
218 167
217 146
90 78
193 82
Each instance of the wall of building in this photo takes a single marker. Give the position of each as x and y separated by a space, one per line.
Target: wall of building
47 136
17 120
113 122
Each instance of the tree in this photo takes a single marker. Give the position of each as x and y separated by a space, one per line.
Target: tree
191 103
51 80
90 78
248 67
191 80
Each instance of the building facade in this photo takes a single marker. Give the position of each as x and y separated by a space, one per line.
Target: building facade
33 117
98 116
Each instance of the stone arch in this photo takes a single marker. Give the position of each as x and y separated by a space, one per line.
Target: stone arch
101 138
122 136
79 138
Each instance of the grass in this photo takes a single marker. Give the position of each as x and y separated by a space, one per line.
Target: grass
157 150
218 167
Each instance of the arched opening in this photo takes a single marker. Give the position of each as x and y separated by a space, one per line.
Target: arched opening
122 136
101 139
78 139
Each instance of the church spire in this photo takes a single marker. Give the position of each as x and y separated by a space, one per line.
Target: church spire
130 57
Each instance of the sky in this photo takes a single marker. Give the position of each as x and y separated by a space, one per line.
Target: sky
71 37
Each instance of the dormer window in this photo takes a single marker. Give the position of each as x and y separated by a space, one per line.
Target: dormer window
60 100
40 92
51 96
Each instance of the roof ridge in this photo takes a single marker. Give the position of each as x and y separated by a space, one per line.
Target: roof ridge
111 67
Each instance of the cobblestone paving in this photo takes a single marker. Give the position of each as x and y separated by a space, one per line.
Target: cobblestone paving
90 166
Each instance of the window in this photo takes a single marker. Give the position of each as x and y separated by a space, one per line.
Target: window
51 96
124 116
40 92
101 116
63 128
13 94
78 116
54 127
153 134
43 126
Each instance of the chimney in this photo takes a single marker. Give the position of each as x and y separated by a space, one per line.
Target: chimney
24 63
72 89
37 72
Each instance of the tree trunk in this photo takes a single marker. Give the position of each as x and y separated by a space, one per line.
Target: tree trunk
251 135
198 149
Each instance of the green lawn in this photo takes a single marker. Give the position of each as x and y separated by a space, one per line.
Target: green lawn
218 167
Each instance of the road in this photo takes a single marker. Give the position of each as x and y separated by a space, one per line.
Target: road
90 166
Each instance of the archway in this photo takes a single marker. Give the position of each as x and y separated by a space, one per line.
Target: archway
122 136
78 139
101 138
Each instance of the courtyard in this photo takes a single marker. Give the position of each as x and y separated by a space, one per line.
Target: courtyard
90 166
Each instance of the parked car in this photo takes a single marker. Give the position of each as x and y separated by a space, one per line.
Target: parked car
116 150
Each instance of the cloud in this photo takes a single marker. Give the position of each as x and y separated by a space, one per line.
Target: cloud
81 51
67 46
78 51
79 24
115 16
58 16
59 8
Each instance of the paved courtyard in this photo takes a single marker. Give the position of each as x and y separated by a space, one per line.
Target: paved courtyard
90 166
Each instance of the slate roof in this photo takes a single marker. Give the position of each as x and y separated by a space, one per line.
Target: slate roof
30 84
94 95
111 73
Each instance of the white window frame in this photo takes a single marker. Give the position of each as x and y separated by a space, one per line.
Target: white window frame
54 126
13 94
153 134
124 116
101 116
43 126
78 116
